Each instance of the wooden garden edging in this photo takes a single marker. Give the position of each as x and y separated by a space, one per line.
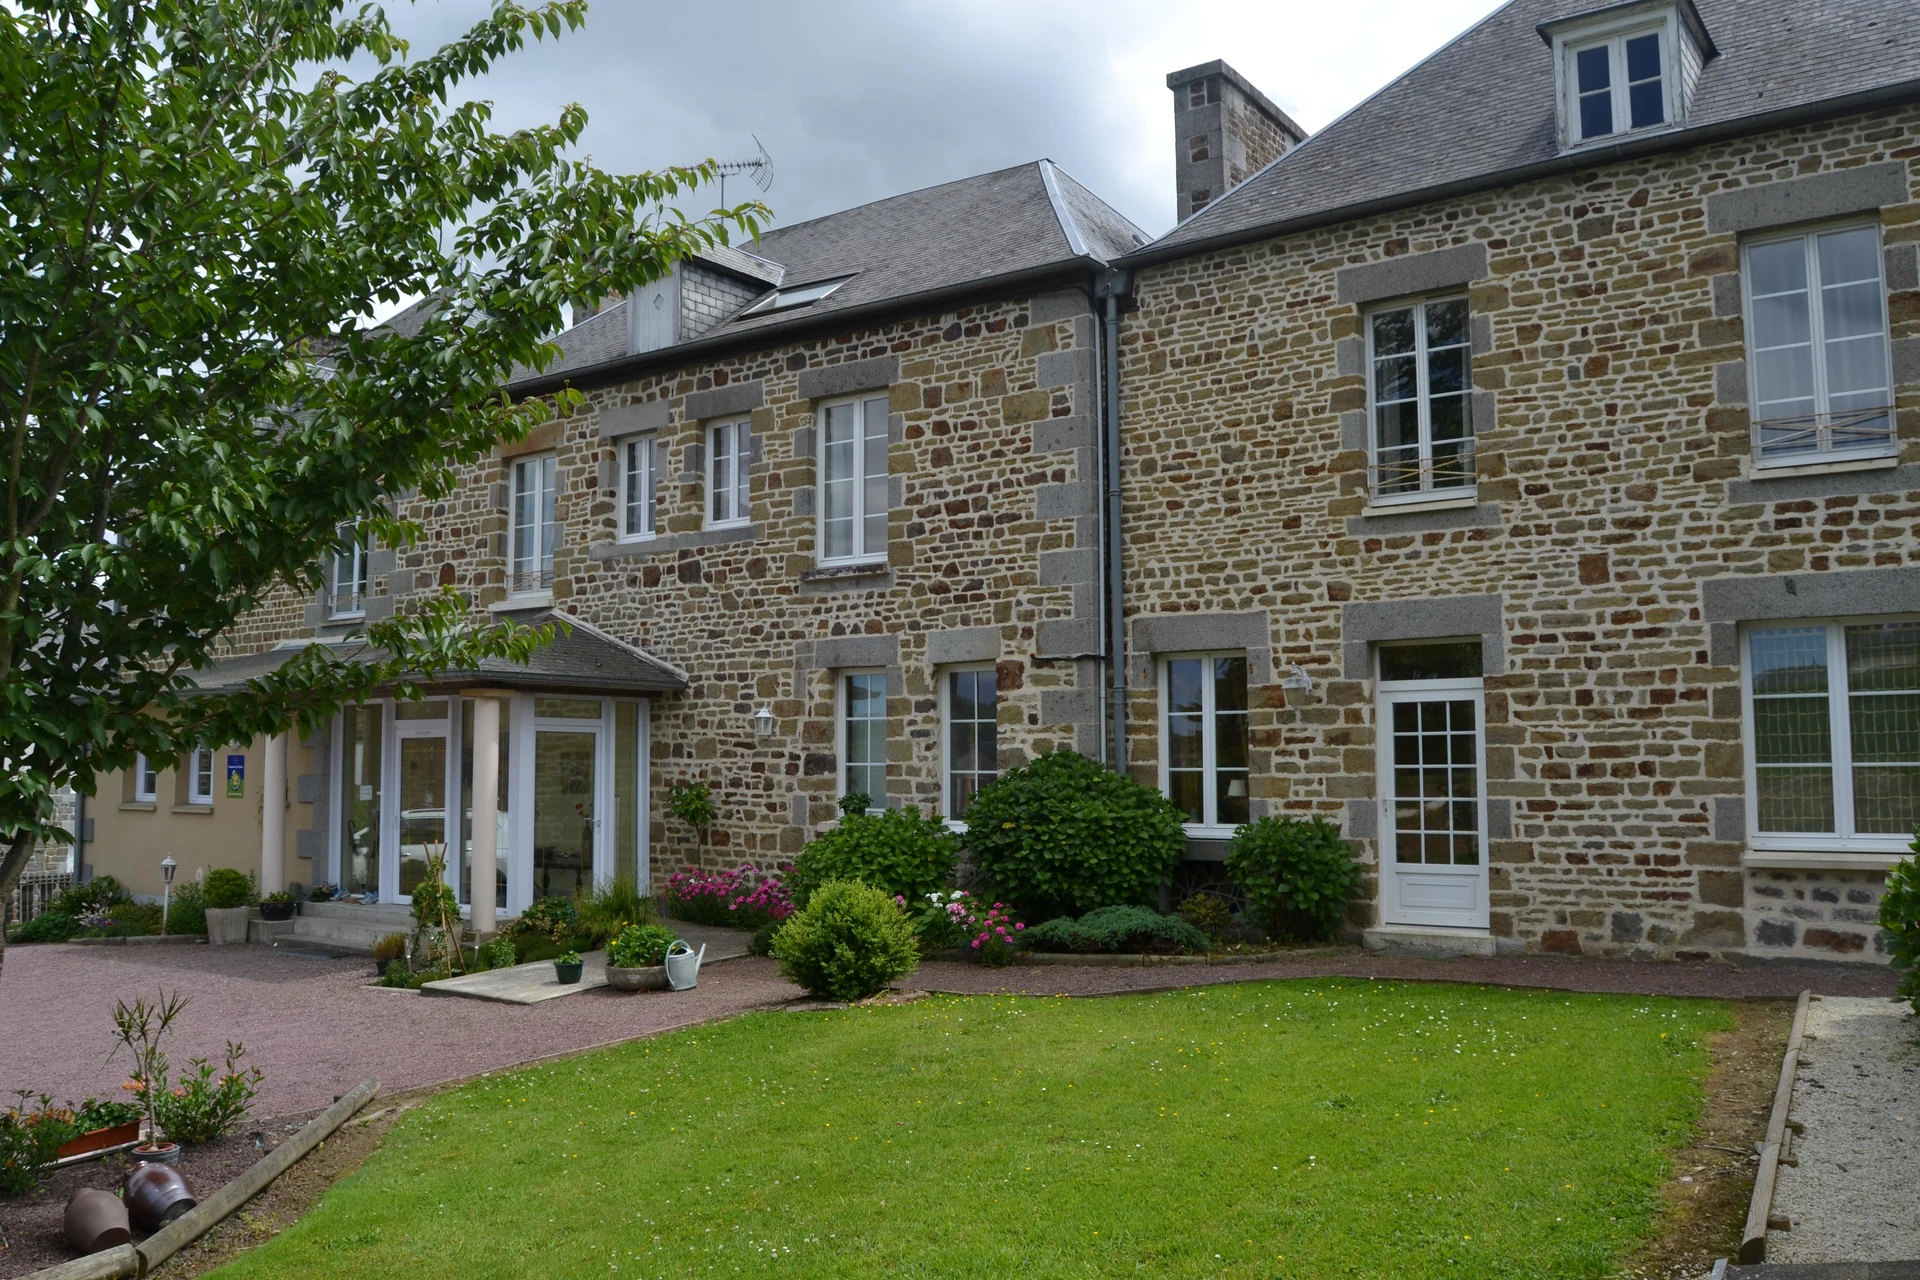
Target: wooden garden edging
129 1260
1753 1244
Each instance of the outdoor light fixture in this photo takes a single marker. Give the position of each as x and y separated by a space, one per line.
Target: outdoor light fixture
1297 679
167 867
763 723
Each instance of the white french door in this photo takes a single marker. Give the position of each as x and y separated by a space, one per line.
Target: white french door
1433 821
420 777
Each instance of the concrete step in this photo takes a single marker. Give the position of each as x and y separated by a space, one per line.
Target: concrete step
345 934
1423 940
356 911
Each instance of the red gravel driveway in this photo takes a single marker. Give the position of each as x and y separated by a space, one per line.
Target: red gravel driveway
314 1026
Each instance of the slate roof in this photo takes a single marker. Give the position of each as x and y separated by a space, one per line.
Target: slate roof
1480 112
581 659
959 235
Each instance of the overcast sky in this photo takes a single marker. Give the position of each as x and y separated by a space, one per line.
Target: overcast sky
860 99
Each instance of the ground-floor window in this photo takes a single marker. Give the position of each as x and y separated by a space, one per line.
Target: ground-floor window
1833 725
146 778
1203 759
971 695
863 735
200 776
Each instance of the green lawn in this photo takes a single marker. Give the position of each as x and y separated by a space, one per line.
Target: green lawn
1325 1128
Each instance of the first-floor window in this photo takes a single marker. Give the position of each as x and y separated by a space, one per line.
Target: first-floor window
200 776
349 598
532 533
1419 383
863 735
853 480
728 449
972 728
1204 761
146 778
1833 714
637 488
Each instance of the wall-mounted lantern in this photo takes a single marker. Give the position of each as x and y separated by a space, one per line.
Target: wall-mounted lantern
763 723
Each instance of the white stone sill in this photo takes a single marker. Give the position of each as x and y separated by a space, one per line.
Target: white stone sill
1818 860
196 807
528 600
1837 467
1462 502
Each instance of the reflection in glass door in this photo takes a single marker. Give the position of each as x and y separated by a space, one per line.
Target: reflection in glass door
565 817
423 804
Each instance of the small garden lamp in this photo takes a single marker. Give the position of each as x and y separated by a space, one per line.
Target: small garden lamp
763 723
167 867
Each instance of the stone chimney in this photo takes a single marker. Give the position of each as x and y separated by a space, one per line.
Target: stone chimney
1224 131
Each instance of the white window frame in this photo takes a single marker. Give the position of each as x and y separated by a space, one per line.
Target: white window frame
1423 403
860 553
1809 237
842 706
545 470
350 561
735 486
1209 827
146 779
1844 838
639 472
200 776
1615 34
944 675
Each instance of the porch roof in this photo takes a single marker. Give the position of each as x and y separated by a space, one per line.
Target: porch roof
581 659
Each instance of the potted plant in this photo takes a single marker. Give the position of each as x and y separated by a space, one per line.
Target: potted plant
277 906
636 958
139 1027
567 967
229 896
99 1125
389 951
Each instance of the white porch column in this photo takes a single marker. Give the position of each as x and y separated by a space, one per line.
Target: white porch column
484 859
273 814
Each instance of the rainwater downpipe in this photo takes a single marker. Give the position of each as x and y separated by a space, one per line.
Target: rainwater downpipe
1112 286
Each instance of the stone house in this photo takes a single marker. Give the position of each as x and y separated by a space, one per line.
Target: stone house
1520 473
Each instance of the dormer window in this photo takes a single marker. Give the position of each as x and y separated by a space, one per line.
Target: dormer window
1626 69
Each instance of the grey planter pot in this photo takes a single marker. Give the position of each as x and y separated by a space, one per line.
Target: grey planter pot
227 925
648 978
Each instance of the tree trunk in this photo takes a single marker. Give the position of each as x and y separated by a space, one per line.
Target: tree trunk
12 863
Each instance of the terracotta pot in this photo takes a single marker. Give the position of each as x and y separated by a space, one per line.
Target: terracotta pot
647 978
96 1220
157 1153
100 1139
156 1194
227 925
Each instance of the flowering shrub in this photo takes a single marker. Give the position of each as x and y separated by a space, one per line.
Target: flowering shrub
956 918
29 1136
207 1101
747 897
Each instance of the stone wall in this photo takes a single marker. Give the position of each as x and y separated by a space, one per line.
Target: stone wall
1613 481
1817 915
707 297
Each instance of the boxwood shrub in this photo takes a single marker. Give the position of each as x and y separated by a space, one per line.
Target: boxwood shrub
1064 835
227 888
898 851
847 943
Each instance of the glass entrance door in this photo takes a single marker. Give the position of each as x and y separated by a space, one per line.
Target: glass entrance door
421 808
566 819
1434 814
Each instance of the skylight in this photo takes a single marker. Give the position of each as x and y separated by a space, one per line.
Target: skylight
798 296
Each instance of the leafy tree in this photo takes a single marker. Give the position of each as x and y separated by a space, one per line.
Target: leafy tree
198 201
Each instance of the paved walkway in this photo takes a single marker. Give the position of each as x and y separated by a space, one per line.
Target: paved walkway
1852 1197
314 1026
537 983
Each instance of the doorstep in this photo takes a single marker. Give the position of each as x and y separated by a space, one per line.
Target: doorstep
1429 940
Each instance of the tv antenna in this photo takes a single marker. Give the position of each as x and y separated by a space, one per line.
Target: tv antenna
760 169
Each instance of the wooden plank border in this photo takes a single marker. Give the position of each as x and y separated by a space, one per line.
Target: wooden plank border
1753 1244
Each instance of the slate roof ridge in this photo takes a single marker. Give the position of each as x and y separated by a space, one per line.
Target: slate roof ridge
1063 215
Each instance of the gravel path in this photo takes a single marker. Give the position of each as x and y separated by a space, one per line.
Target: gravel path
1564 973
314 1026
1853 1198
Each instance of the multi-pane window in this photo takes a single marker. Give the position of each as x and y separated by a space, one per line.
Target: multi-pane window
146 778
200 776
1204 762
1619 84
1421 361
972 745
1834 723
728 447
637 488
863 735
1817 338
853 480
531 537
349 593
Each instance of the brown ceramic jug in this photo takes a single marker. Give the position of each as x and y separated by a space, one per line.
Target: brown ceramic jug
156 1195
96 1220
